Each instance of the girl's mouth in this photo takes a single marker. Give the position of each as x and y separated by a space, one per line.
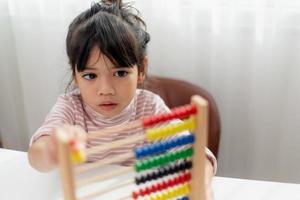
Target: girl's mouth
108 106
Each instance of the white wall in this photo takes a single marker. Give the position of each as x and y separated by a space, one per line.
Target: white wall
246 55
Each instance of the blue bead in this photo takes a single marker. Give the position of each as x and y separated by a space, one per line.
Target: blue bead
151 149
146 151
156 147
174 141
169 144
164 146
138 153
161 147
181 141
192 138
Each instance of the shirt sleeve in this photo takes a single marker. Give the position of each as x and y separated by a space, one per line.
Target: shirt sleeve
61 113
160 106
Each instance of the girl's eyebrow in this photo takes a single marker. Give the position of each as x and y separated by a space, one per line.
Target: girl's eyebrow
90 68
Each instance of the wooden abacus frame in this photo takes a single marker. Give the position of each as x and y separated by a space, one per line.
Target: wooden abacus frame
197 183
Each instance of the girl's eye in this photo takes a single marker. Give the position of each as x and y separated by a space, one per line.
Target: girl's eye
89 76
120 73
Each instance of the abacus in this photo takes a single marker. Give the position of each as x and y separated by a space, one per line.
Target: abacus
170 166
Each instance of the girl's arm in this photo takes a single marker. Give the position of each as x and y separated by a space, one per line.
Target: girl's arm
42 154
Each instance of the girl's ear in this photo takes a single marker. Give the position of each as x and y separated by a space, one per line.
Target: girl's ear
142 74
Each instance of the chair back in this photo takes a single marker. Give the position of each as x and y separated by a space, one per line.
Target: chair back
178 92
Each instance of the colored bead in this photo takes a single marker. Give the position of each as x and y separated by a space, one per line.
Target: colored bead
162 172
138 166
72 141
153 197
78 157
159 186
138 153
187 176
137 180
143 192
135 194
143 179
186 189
155 174
164 184
172 182
166 116
193 109
164 195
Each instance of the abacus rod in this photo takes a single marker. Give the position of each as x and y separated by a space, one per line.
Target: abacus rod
97 149
118 128
100 163
100 192
103 177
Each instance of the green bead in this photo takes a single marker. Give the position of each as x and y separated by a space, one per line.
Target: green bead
138 166
156 162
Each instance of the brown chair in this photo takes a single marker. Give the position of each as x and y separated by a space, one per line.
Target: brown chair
178 92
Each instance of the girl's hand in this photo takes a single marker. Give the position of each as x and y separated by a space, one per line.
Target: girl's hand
76 137
43 152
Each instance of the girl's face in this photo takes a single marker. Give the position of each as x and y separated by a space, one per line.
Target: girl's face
105 88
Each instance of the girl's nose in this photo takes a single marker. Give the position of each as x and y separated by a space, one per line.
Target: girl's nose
105 87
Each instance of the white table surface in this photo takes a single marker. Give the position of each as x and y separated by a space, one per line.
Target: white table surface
18 181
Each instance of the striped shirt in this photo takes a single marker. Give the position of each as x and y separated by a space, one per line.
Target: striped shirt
70 109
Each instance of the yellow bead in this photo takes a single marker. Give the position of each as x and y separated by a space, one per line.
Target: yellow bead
167 131
152 196
176 192
186 189
78 157
151 134
180 190
164 195
192 125
159 196
161 133
172 193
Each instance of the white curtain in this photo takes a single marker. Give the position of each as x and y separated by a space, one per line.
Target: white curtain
245 52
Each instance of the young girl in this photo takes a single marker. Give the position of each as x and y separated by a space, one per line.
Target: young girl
106 46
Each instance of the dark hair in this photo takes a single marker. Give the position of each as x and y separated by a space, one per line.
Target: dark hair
112 26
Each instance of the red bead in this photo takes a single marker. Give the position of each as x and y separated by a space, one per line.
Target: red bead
176 180
154 187
193 109
164 184
156 119
146 122
181 178
142 191
135 194
72 141
151 189
187 176
172 182
167 116
159 186
147 190
177 113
